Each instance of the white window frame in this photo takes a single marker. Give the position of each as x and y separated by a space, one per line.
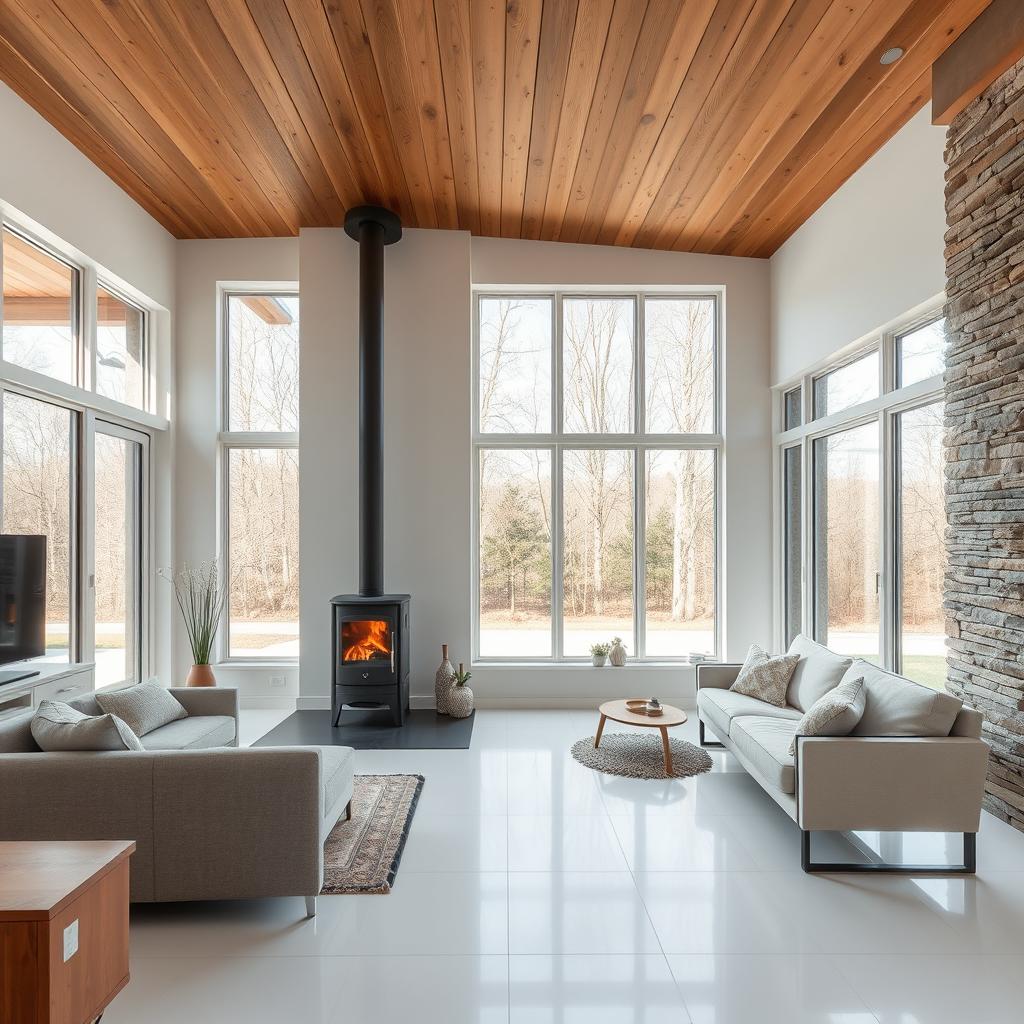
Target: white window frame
148 389
636 441
88 408
227 441
883 410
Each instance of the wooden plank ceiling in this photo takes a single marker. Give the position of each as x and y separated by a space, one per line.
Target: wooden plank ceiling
705 125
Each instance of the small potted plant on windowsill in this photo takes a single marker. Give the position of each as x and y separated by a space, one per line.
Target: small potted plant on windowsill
200 594
599 654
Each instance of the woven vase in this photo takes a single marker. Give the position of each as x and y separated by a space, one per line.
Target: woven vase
444 679
617 655
460 702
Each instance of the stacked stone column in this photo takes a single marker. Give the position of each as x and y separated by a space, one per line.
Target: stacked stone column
984 592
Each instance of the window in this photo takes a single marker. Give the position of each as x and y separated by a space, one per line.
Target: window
120 349
792 403
846 553
40 303
846 386
260 461
597 458
119 460
68 474
792 515
921 547
39 478
875 553
920 353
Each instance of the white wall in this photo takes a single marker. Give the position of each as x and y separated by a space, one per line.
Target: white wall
872 253
428 282
203 265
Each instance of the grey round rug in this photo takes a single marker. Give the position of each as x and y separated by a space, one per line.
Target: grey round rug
640 756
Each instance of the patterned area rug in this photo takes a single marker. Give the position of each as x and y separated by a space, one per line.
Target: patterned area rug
362 855
640 756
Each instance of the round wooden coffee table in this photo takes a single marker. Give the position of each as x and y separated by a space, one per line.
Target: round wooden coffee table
617 711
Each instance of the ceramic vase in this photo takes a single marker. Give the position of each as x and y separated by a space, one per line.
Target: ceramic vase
200 675
617 655
460 702
599 660
444 679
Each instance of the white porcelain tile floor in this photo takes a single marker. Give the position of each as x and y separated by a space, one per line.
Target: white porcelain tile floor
533 891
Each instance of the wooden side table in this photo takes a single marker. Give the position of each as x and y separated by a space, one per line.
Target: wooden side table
63 929
617 711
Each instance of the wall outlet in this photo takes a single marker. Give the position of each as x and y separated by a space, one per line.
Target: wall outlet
71 940
278 683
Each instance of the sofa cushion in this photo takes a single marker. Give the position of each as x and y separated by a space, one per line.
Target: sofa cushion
765 678
196 732
835 714
896 706
817 672
145 707
16 735
718 708
337 765
764 742
57 726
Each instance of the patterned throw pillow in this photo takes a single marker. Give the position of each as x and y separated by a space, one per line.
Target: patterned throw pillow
144 707
765 677
835 714
57 726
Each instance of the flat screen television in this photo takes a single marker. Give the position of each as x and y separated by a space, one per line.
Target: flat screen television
22 602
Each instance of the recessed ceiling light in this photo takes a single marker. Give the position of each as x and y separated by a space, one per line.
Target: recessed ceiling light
891 55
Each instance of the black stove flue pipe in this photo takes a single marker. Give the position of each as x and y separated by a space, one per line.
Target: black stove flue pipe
372 227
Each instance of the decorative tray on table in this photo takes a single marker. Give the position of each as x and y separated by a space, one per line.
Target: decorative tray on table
642 706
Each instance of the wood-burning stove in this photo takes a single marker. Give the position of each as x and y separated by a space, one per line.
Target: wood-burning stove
371 629
371 653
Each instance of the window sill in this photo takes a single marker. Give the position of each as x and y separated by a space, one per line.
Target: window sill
561 665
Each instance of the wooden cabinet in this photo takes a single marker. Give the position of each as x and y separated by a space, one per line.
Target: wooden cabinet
63 930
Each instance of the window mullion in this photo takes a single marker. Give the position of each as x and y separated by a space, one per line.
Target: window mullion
557 555
639 553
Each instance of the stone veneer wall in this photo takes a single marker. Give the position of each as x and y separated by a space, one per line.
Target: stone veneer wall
984 597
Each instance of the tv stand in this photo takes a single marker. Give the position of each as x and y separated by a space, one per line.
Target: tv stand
16 676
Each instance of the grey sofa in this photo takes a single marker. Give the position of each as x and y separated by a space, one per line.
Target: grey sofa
915 763
210 820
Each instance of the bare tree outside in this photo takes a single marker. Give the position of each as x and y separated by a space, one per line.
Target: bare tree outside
263 483
37 443
922 525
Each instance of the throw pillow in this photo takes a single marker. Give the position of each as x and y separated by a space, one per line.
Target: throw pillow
145 707
765 677
57 726
835 714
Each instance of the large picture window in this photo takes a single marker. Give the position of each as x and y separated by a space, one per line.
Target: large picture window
876 549
260 466
597 449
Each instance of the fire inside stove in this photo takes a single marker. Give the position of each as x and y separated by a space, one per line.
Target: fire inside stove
368 640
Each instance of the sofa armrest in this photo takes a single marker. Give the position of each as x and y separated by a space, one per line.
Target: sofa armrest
890 783
715 675
207 700
235 824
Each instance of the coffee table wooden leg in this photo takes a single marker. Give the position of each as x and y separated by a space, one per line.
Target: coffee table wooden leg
667 750
600 729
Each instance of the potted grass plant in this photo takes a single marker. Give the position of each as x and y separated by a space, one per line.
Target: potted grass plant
200 594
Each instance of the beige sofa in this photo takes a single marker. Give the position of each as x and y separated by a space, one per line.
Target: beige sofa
210 820
915 762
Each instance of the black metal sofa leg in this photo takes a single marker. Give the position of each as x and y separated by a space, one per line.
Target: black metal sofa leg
968 867
702 740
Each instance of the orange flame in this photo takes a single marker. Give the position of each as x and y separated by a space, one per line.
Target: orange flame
364 641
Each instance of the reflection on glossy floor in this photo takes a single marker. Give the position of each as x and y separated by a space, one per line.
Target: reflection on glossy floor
533 889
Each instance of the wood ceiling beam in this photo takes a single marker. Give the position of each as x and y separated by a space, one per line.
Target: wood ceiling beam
992 44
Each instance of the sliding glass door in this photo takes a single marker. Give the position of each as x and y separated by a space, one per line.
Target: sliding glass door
119 462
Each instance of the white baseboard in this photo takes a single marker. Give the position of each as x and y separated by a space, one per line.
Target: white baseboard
267 702
425 702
